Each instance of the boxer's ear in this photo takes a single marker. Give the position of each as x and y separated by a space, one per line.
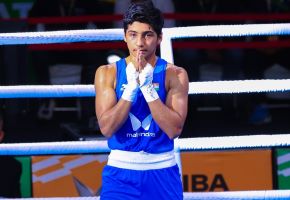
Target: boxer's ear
159 39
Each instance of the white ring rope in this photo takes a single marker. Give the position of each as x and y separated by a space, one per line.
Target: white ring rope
183 144
242 86
41 91
53 148
112 34
166 51
117 34
233 142
239 195
210 87
228 30
230 195
47 37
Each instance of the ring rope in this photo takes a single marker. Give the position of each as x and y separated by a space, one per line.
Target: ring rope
42 91
54 148
117 34
206 87
233 142
183 144
239 195
240 86
229 195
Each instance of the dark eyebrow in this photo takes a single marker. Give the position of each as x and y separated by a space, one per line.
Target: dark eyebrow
148 32
131 31
143 33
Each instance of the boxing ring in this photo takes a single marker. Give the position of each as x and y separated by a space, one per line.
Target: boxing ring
192 144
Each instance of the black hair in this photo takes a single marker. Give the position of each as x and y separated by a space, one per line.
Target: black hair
144 12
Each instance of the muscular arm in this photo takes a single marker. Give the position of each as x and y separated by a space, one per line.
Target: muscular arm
171 115
111 113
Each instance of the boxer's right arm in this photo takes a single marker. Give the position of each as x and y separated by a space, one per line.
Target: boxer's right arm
111 114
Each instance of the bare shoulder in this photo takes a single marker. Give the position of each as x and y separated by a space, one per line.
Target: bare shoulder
176 78
176 74
105 73
104 69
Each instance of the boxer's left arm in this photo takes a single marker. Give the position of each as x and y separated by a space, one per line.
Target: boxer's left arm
169 116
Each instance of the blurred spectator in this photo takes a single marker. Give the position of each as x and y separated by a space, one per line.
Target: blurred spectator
88 59
61 8
229 61
13 69
267 6
209 64
10 172
265 62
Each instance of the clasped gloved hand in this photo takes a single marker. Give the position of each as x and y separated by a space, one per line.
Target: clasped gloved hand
146 85
132 87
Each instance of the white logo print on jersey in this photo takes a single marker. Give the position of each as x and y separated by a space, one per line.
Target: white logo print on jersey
123 87
136 124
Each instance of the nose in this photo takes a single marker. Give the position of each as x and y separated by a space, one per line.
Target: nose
140 41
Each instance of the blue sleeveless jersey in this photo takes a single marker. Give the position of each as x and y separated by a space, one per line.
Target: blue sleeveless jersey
140 132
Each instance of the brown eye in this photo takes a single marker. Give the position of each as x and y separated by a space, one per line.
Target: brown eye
132 35
149 35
